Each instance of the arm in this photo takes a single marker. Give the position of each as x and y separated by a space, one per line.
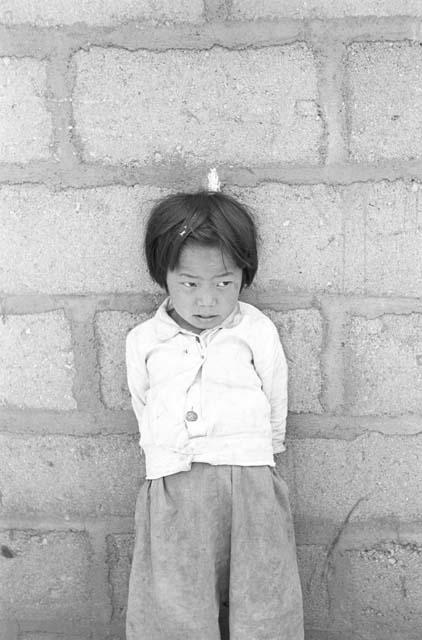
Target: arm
271 366
137 376
278 394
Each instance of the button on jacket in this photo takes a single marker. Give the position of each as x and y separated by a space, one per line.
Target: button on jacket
218 397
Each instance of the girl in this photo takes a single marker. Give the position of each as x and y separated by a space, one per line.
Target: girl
208 380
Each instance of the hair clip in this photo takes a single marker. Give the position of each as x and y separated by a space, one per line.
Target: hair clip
183 231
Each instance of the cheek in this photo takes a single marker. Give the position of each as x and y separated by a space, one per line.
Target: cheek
232 297
180 296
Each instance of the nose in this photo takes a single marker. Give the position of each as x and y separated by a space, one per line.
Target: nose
206 297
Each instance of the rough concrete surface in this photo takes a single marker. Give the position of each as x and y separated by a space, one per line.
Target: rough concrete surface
310 113
385 100
97 12
300 236
45 574
376 476
383 238
23 83
201 106
380 589
299 9
301 336
97 476
36 361
50 636
120 554
85 240
112 328
311 560
384 373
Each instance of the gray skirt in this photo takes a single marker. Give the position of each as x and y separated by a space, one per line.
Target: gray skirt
211 540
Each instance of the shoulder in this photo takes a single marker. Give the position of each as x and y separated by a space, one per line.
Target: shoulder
257 321
142 334
262 335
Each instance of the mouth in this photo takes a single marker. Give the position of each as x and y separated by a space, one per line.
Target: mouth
204 317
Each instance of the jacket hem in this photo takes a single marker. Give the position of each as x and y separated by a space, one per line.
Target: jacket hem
162 462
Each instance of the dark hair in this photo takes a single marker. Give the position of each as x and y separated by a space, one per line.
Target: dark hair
208 218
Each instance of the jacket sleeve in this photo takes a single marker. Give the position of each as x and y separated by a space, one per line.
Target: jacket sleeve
279 396
137 375
274 376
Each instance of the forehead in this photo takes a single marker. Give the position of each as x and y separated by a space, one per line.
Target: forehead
204 261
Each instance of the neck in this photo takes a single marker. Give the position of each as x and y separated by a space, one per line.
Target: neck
181 322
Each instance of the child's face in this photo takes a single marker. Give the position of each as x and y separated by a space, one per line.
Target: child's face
204 287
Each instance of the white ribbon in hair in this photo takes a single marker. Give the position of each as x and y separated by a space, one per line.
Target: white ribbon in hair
213 180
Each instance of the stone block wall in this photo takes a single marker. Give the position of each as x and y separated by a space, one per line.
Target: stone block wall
310 111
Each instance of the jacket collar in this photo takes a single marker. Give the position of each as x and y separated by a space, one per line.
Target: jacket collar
166 327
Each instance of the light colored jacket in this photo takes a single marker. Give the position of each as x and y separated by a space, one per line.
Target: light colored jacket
218 397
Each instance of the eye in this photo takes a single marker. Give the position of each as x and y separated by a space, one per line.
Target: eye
224 283
188 284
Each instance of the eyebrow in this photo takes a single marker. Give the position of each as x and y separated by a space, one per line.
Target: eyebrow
221 275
